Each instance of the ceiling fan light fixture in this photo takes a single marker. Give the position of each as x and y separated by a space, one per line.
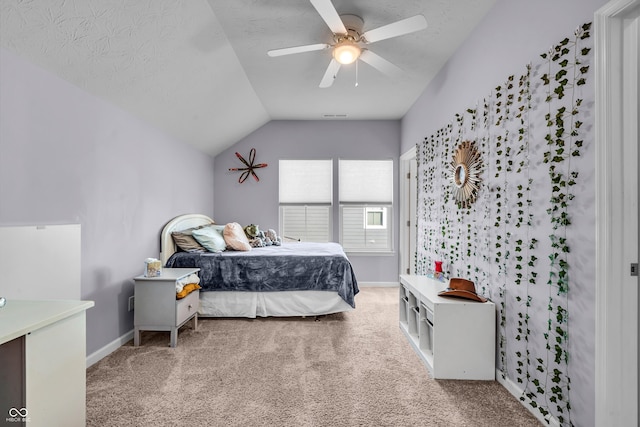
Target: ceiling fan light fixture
346 52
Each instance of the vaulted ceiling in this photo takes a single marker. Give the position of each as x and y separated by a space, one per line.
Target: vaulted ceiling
199 69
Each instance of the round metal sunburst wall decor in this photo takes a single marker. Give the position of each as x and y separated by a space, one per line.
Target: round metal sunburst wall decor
466 167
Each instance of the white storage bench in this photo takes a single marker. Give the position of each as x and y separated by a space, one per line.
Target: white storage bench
454 337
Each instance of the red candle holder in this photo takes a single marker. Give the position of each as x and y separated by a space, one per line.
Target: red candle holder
438 266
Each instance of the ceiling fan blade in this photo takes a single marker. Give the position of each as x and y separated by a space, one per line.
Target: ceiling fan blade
395 29
380 64
297 49
330 74
328 12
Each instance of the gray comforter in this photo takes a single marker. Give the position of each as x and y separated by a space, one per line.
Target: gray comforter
290 267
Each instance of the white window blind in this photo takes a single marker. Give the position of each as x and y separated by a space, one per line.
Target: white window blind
306 181
306 195
366 181
305 223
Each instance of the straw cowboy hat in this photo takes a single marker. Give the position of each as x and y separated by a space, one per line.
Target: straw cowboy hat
462 288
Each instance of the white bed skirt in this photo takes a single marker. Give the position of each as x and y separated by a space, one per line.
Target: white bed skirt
265 304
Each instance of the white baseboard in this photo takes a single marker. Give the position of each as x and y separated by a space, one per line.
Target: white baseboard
378 284
103 352
517 392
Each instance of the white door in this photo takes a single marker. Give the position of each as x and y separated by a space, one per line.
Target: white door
617 106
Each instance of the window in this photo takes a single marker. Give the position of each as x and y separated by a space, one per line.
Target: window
375 218
305 195
366 205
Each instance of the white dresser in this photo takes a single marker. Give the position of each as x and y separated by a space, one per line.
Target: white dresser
454 337
43 362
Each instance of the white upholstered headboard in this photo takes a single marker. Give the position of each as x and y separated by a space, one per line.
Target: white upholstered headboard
182 222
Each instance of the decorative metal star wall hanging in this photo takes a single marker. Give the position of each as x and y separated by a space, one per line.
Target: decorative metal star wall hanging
249 169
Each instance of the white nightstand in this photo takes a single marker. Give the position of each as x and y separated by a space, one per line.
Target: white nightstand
156 306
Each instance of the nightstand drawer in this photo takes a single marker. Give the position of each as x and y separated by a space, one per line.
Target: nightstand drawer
187 306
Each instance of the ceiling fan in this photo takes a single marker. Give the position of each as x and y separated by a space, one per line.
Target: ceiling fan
349 41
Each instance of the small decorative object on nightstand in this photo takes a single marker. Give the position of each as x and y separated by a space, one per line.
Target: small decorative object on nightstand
156 306
152 267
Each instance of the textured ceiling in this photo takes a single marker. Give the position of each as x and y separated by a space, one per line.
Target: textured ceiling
198 69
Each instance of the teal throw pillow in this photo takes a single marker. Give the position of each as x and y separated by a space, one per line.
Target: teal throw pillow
210 239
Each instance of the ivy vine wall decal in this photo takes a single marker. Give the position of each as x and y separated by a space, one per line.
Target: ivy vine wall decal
515 242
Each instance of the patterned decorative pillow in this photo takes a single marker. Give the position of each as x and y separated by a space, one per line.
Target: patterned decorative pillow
234 236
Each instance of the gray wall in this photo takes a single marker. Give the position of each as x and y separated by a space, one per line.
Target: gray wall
257 202
513 35
68 157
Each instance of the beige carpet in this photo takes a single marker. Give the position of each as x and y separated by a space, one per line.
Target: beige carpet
349 369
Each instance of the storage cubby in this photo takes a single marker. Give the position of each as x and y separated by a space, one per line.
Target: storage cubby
425 331
413 315
403 304
454 337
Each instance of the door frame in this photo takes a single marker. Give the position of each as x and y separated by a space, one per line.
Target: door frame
405 212
616 95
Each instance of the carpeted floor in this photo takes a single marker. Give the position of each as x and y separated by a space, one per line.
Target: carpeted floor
348 369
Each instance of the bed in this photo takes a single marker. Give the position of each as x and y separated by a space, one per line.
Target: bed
293 279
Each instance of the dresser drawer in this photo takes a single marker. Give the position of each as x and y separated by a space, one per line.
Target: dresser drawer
187 306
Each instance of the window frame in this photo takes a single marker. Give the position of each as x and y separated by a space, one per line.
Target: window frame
364 251
386 206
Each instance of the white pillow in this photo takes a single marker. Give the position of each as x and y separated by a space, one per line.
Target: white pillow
210 239
235 237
